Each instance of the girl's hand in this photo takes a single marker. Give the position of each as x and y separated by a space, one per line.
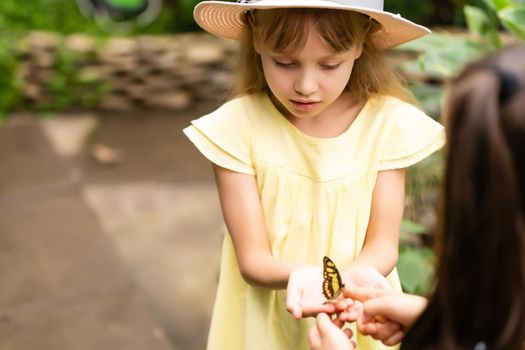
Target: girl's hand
360 295
327 335
397 307
379 327
304 295
364 276
386 313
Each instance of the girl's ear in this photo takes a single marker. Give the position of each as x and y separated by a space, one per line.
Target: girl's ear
358 50
257 46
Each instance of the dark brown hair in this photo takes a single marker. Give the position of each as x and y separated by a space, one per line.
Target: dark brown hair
480 276
284 30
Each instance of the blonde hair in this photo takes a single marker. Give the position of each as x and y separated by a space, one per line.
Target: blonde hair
283 30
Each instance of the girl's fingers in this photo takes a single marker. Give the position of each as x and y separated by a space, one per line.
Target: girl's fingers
314 338
293 303
395 338
385 331
348 332
369 328
364 293
339 323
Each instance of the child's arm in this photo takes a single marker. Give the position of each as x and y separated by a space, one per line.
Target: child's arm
242 211
380 248
379 252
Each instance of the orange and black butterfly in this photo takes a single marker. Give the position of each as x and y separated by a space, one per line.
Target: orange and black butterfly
332 284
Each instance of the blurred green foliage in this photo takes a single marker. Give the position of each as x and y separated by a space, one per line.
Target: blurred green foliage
441 57
417 11
63 16
10 83
71 86
17 18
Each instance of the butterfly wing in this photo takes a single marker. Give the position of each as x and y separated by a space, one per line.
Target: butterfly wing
332 283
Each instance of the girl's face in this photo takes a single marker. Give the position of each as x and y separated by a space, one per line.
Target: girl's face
311 81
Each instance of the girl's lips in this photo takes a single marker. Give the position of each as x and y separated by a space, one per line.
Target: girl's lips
305 106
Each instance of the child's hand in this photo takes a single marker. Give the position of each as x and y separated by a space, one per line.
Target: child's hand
304 296
388 332
386 313
365 276
327 335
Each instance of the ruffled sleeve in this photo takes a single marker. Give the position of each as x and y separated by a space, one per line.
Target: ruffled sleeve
223 137
412 136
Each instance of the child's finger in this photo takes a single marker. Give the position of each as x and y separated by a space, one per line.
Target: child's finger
348 332
324 323
385 331
314 338
363 294
395 338
352 313
369 328
312 309
293 302
338 322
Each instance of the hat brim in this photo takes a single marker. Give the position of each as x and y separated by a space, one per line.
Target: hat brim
224 19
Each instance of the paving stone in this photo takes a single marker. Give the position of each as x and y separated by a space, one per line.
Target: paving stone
106 318
68 133
63 283
50 247
28 160
154 146
169 237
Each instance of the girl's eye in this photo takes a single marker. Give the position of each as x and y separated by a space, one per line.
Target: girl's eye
284 64
330 66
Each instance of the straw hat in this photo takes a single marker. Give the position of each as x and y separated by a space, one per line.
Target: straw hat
225 18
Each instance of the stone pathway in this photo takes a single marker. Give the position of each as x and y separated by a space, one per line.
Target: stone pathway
99 256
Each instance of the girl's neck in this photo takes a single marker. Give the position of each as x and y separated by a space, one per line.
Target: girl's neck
331 122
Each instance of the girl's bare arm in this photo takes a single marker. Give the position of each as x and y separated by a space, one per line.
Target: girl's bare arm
380 248
242 211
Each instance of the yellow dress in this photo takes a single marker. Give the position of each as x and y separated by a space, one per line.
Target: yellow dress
316 196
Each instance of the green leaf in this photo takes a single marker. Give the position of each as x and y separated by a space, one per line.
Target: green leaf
497 5
443 55
513 19
518 2
447 60
425 43
478 22
430 96
412 227
415 267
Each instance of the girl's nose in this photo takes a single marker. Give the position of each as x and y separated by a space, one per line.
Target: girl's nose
306 83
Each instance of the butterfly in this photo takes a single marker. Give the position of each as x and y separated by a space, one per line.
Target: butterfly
332 284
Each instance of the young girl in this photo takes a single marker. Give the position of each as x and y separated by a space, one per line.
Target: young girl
479 299
308 160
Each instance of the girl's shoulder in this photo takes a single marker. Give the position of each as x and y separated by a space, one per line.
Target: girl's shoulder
242 105
239 116
242 111
387 112
390 106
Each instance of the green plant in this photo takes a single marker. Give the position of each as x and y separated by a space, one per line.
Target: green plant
415 268
71 85
443 56
416 261
10 84
64 17
417 11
